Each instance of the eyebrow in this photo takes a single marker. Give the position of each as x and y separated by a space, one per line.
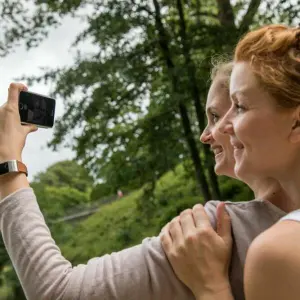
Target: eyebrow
211 108
242 92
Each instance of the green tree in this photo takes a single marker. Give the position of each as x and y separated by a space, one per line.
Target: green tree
61 187
65 173
151 54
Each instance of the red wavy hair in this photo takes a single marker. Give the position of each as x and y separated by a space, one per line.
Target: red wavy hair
273 53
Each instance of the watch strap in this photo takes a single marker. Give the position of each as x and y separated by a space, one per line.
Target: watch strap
13 166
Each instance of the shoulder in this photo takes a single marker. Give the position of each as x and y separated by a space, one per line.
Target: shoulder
272 269
236 204
253 207
236 210
280 239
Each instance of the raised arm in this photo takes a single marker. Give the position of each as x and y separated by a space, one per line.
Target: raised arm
140 272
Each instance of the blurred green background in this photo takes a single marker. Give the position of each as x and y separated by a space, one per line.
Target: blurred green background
133 114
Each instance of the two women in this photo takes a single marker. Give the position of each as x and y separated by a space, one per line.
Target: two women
141 272
263 124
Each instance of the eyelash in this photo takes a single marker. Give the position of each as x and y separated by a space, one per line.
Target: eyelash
238 107
215 116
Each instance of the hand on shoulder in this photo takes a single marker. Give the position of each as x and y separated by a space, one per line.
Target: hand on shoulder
199 256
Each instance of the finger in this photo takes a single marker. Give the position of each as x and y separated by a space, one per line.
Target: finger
14 92
200 217
187 222
165 228
176 232
28 128
166 241
223 222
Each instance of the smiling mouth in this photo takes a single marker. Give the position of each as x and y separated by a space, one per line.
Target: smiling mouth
237 150
236 145
217 151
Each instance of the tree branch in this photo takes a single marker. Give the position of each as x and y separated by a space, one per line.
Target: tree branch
226 15
142 8
206 14
249 15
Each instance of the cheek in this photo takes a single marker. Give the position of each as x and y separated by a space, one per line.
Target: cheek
262 134
222 139
248 127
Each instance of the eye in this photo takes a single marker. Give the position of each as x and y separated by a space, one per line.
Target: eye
239 108
215 118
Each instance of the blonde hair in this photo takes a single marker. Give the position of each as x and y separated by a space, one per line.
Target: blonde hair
222 70
273 53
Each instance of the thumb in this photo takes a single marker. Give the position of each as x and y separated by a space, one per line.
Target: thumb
223 223
28 128
14 92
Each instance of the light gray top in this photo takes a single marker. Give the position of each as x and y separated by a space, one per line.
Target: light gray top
138 273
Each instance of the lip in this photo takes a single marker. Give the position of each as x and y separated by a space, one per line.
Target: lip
217 150
237 145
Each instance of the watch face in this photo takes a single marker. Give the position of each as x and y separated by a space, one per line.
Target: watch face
3 168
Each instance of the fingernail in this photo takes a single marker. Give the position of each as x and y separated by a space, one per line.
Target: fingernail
197 206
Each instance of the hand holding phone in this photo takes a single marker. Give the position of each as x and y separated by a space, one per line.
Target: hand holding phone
36 109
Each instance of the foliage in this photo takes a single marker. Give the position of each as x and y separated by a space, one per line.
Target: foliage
133 110
121 225
61 187
139 94
65 173
101 190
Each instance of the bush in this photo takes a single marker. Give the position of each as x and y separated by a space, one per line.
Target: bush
120 224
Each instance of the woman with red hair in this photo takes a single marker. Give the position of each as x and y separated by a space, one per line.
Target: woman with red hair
263 124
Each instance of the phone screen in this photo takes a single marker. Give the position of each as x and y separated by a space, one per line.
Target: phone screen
36 109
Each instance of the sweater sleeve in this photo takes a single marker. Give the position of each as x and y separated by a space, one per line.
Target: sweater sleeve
140 272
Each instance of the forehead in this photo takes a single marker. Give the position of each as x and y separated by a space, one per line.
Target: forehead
242 78
218 95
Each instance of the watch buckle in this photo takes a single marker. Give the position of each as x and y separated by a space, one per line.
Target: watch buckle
12 166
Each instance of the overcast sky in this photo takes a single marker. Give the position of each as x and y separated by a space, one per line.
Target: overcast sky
53 52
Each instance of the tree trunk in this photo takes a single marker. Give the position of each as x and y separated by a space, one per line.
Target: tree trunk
249 15
226 15
163 43
194 152
198 12
195 93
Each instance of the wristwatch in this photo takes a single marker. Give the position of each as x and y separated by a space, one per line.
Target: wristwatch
12 166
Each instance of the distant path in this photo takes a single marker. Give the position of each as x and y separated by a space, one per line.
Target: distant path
80 213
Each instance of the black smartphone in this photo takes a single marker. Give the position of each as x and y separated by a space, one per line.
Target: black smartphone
36 109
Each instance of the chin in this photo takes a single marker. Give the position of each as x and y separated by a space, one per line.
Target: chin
221 169
244 171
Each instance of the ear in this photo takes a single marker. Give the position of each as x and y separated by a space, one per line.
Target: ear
295 130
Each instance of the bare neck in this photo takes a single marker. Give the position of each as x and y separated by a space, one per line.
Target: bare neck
270 190
290 183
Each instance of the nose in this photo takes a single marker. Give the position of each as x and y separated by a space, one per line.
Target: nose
206 137
227 128
225 125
